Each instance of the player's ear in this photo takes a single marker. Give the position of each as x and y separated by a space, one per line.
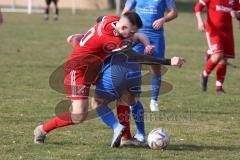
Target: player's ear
99 19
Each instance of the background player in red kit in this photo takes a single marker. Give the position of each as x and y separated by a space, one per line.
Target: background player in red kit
219 34
84 64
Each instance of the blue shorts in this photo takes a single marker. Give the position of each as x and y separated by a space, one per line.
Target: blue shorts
158 41
118 75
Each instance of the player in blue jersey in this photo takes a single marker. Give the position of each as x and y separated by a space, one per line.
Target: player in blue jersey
152 15
121 80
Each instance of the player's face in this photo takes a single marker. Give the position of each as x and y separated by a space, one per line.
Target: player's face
125 28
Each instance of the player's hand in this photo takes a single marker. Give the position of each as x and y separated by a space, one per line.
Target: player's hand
201 26
149 50
158 23
177 61
233 14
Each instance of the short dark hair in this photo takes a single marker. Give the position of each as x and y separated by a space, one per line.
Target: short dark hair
134 19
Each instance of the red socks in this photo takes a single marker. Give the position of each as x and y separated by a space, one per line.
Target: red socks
60 121
209 67
123 113
221 71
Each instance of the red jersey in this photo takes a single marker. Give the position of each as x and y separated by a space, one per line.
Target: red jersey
218 13
100 40
83 66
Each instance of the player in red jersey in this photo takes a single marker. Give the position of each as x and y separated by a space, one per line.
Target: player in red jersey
219 34
84 64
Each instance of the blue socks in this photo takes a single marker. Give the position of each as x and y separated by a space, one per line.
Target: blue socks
156 84
138 115
106 115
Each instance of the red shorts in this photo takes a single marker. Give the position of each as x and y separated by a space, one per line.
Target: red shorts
80 74
75 86
221 41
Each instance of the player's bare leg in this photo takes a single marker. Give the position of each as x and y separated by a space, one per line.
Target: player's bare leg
77 115
156 85
210 65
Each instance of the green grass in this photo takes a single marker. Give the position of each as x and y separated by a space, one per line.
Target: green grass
201 125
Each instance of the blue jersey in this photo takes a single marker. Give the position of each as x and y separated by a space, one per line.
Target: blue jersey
150 10
118 75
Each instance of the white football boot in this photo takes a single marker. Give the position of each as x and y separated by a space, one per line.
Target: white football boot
39 135
154 106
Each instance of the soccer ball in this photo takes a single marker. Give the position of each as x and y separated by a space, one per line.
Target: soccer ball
158 139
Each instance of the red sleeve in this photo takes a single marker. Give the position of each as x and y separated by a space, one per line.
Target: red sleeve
200 5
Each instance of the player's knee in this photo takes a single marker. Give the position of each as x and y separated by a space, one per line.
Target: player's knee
217 57
98 101
223 61
79 118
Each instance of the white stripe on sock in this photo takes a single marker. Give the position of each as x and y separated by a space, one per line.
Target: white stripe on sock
219 84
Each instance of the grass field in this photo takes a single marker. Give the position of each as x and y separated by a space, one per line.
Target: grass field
201 125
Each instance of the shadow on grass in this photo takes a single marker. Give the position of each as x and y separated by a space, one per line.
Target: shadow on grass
194 147
73 143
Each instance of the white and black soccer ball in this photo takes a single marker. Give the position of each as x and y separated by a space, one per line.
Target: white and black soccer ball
158 139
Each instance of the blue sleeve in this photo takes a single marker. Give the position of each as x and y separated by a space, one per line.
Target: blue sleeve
170 4
130 4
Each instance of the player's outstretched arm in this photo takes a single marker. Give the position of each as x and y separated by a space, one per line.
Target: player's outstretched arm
149 60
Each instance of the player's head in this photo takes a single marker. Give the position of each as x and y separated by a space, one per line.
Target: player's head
129 24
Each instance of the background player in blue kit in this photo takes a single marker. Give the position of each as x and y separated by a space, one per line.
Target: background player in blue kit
152 15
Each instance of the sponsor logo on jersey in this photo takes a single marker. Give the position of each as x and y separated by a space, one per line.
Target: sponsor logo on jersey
149 10
214 47
223 8
82 90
